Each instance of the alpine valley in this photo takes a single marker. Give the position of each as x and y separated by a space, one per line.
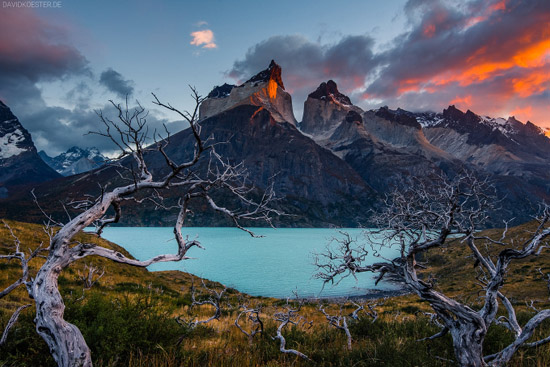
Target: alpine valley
330 169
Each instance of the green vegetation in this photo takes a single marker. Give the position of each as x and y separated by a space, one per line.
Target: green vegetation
128 318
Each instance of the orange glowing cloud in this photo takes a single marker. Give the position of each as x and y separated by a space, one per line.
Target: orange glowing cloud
501 5
204 38
409 85
462 102
429 30
526 113
534 83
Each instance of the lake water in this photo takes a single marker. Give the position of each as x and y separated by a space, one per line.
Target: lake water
272 266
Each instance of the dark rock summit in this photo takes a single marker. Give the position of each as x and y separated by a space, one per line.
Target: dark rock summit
221 91
330 90
354 116
273 72
399 116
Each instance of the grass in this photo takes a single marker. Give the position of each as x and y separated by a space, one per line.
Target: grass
128 317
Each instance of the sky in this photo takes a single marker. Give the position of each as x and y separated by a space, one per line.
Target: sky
62 61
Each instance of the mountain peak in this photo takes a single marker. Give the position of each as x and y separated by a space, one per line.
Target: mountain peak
329 90
265 89
273 72
399 116
75 160
453 113
221 91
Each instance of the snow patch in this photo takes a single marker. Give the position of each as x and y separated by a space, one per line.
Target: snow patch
8 143
499 124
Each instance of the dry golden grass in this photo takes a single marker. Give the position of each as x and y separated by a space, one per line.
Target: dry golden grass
389 341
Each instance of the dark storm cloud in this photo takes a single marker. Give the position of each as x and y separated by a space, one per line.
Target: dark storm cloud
114 81
446 39
34 50
57 128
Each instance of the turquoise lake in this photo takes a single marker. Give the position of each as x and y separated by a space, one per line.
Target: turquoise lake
272 266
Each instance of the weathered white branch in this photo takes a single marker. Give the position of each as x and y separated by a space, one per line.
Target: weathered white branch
339 322
91 277
11 322
286 318
214 300
253 316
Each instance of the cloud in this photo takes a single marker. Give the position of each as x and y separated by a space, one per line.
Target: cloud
204 38
482 55
34 49
114 82
306 64
56 129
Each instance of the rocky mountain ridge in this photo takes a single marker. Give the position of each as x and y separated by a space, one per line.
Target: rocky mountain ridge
19 160
75 160
341 160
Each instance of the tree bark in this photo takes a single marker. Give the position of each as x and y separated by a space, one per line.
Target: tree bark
66 343
468 345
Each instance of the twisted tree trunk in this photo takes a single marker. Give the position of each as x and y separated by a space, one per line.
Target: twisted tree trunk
468 344
66 343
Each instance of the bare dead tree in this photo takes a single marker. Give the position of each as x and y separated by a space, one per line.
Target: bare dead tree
129 132
338 321
425 218
214 300
24 259
90 277
252 315
289 315
341 321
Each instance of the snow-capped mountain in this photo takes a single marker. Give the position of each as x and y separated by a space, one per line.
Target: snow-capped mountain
75 160
493 143
19 161
452 116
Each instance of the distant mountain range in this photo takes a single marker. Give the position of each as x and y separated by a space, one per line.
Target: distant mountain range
75 160
337 163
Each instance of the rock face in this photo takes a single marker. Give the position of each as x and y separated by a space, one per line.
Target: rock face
324 109
75 160
265 89
501 146
255 126
387 151
19 161
331 173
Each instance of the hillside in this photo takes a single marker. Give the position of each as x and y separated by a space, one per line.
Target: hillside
127 318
